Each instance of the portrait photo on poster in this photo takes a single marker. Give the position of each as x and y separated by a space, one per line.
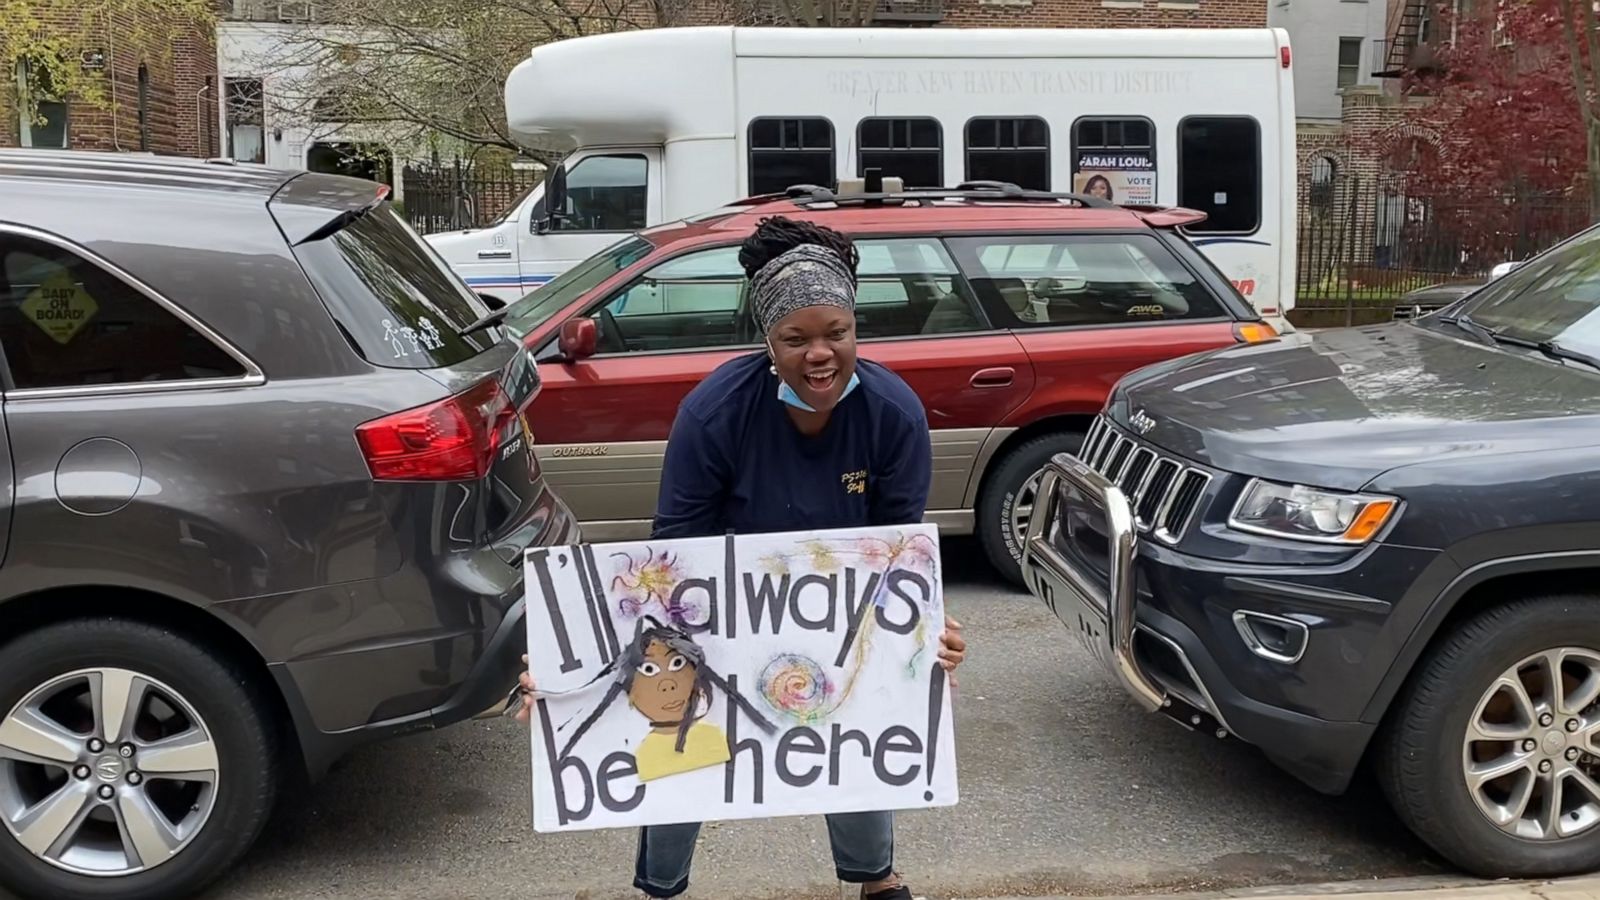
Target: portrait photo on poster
1118 176
738 677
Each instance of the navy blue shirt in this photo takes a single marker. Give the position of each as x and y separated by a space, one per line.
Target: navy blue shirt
736 462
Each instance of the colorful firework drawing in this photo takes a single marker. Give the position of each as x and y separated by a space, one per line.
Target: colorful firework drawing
796 686
799 687
648 583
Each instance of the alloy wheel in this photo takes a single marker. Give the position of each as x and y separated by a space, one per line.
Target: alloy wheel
106 772
1022 508
1529 756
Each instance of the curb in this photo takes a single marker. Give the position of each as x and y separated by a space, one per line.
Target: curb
1420 888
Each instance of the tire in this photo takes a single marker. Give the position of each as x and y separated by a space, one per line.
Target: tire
1008 482
1423 753
198 698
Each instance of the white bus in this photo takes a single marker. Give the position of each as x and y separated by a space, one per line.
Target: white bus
663 124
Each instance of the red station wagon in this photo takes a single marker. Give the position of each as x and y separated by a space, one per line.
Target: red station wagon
1010 313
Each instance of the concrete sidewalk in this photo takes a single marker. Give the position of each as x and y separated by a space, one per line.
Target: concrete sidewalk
1583 888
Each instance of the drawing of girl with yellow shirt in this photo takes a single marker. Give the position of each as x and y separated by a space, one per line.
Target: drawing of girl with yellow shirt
665 676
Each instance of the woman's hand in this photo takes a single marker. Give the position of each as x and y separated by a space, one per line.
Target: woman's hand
526 686
954 650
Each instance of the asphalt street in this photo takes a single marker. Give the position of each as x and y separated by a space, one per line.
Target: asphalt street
1066 788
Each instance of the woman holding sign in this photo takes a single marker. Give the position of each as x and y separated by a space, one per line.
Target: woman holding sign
802 437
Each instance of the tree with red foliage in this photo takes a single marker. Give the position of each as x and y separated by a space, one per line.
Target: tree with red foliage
1515 90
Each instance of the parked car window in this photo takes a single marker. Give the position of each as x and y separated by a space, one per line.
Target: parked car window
787 152
911 149
691 302
1010 150
606 193
65 322
394 296
911 287
1219 172
1039 281
1554 297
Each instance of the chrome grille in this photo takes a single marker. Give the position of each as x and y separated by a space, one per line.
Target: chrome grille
1165 492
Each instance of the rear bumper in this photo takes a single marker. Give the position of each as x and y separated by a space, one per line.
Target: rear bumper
341 701
488 682
1151 650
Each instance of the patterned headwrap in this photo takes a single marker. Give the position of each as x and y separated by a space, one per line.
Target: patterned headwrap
807 275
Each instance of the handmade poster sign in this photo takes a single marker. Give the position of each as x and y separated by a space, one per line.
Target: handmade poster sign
738 677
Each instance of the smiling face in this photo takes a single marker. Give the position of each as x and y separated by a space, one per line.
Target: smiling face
663 687
814 349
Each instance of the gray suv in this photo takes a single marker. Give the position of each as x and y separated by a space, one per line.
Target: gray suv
1369 550
266 482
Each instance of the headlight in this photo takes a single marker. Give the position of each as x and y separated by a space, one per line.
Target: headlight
1311 514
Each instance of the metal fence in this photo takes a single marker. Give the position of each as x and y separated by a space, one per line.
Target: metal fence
1364 244
453 196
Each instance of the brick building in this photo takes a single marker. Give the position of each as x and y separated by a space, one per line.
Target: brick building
1016 13
158 89
1091 13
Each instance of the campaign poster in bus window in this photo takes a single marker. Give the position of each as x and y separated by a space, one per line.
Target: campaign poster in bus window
1121 176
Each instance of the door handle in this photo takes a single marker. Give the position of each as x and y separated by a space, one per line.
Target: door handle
993 378
494 254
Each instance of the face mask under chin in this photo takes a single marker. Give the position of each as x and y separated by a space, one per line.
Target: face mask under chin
787 394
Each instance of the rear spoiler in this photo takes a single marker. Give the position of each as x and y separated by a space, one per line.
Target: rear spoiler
309 207
1165 216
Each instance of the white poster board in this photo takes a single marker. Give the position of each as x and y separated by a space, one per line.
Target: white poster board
830 638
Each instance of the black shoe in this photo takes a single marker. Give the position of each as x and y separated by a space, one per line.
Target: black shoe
895 893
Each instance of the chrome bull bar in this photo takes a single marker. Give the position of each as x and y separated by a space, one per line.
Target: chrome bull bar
1105 613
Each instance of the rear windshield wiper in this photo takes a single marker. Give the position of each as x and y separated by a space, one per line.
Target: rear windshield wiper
488 321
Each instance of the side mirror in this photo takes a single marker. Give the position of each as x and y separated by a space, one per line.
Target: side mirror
555 199
579 338
494 303
1502 270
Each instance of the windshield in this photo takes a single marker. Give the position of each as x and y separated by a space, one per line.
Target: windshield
1554 297
511 210
537 306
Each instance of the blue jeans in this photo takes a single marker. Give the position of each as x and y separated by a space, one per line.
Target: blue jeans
863 851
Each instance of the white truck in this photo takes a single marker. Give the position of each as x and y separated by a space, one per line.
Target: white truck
663 124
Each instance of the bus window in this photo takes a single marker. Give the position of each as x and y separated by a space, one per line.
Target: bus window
1219 172
1011 150
910 149
1115 159
787 152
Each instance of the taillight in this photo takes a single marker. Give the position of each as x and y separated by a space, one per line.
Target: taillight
454 439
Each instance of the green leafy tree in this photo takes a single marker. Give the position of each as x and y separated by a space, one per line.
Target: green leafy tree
51 37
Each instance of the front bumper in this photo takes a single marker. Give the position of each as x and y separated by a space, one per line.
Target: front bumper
1167 655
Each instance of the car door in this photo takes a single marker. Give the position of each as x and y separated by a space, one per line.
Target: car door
601 423
917 316
602 196
486 258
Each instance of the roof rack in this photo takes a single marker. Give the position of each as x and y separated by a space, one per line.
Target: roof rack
813 195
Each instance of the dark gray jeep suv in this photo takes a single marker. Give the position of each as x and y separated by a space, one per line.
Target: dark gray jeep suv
265 496
1377 545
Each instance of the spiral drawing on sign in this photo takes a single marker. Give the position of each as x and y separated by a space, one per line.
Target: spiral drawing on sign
796 686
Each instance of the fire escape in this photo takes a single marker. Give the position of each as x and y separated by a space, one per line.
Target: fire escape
1407 48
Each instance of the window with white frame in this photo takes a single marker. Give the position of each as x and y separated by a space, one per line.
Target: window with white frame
245 104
